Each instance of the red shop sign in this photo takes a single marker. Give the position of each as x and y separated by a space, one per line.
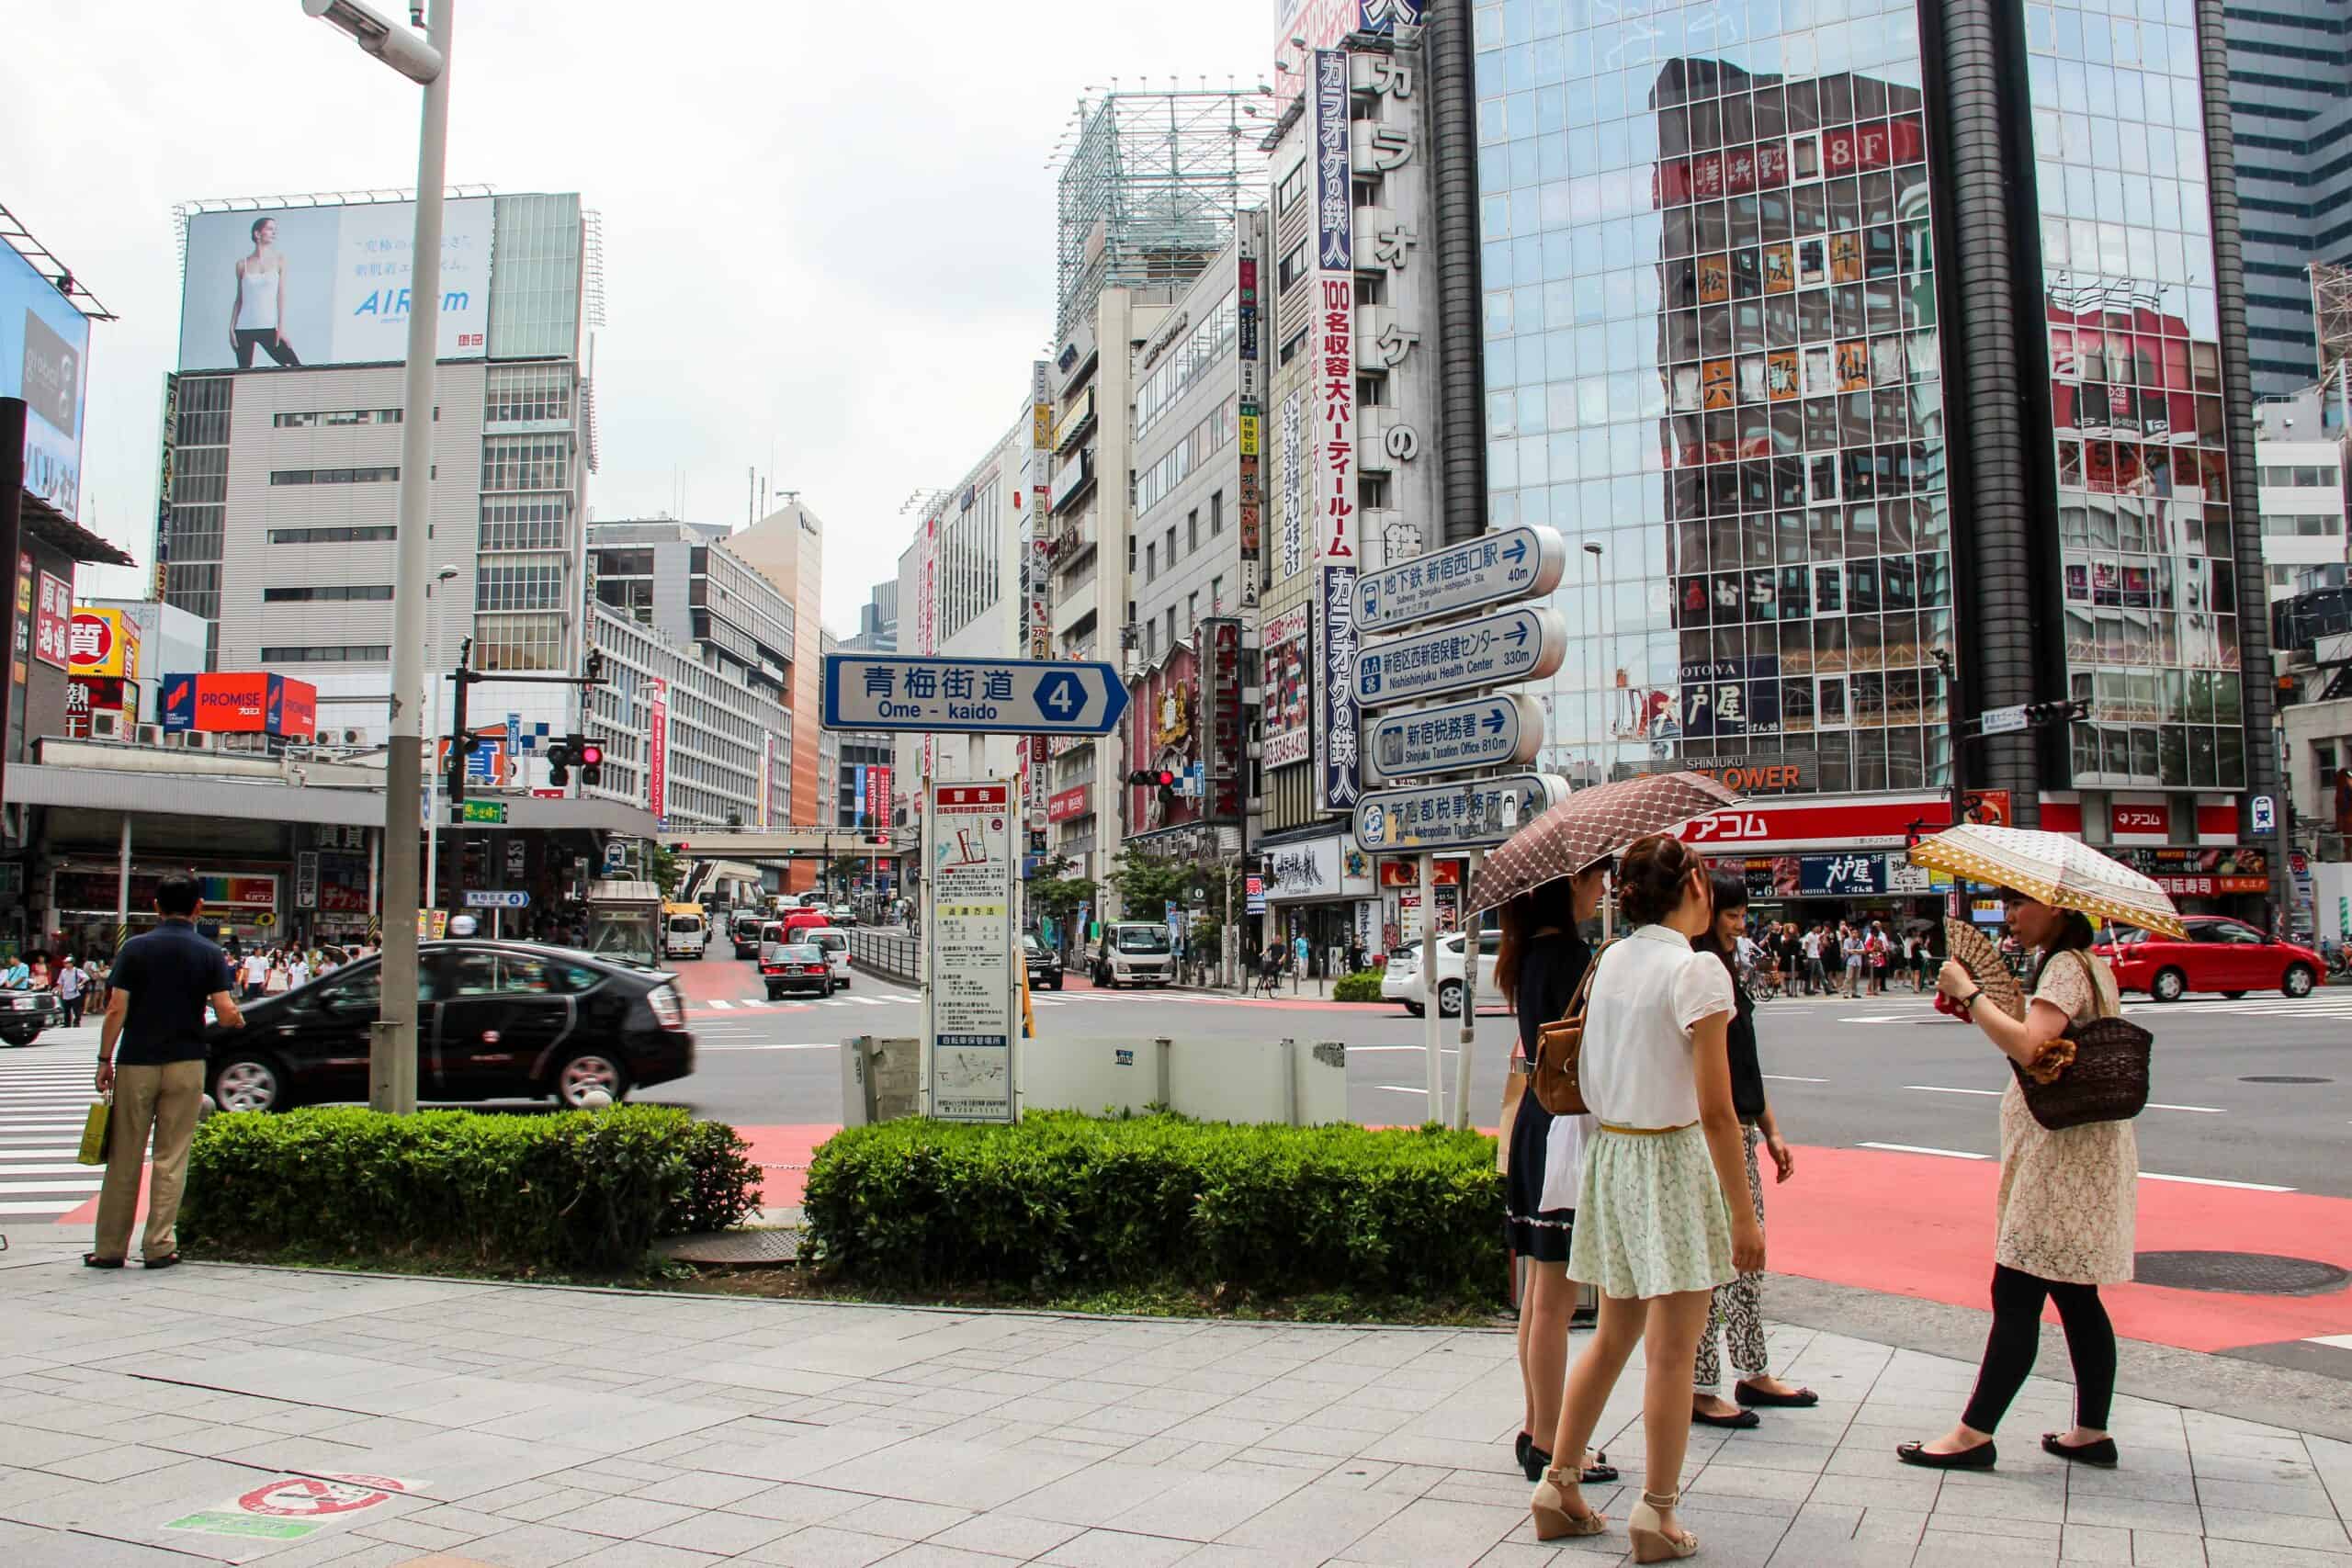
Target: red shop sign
1066 803
2125 820
1873 823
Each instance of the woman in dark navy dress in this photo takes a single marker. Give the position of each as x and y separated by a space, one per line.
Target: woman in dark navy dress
1542 961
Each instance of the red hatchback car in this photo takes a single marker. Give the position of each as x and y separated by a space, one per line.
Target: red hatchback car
2219 955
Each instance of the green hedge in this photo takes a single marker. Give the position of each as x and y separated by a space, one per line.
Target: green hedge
1066 1201
1363 985
577 1191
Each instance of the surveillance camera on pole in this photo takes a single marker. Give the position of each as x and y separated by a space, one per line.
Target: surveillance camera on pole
388 41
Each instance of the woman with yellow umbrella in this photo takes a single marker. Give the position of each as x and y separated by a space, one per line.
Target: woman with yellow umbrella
2064 1214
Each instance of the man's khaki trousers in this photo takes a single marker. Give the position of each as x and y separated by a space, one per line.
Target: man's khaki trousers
163 1101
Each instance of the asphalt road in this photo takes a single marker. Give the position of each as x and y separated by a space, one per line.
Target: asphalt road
1874 1073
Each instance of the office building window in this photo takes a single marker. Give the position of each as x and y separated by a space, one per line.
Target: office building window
367 533
518 642
334 476
336 419
519 394
525 525
519 583
526 462
331 593
1216 513
329 653
1192 529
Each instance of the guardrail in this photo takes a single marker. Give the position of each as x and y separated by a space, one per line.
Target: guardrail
887 951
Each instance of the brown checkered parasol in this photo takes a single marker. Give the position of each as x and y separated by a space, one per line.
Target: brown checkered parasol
1591 825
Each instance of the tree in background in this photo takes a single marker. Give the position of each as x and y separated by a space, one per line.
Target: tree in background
1052 892
1147 887
664 867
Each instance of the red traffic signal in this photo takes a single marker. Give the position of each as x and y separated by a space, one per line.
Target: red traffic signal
1153 778
589 754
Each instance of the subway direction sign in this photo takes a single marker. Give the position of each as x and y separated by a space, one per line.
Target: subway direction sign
1493 650
974 696
1494 569
1464 816
1500 731
481 811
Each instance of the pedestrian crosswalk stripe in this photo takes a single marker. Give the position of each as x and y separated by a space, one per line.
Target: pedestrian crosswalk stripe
714 1002
74 1184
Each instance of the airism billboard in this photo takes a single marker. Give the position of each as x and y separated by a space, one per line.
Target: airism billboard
327 284
44 350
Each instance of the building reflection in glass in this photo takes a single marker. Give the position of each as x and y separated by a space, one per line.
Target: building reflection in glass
1712 348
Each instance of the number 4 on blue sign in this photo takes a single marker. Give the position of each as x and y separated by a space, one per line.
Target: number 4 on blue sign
1060 694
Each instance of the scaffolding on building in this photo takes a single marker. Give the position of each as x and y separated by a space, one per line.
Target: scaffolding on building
2332 313
1148 189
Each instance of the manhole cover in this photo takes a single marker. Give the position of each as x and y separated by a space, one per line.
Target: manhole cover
771 1248
2239 1273
2282 1077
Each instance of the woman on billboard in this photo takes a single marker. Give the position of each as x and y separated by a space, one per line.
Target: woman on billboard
257 312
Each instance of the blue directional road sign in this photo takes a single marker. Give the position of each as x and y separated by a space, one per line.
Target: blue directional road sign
971 696
1466 815
1494 569
1493 650
1502 731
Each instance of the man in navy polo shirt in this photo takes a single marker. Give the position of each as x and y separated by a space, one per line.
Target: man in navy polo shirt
151 1053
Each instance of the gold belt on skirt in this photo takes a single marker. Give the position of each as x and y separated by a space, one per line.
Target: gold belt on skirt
1646 1131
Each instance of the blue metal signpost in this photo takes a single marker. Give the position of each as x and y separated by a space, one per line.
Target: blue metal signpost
1494 569
971 696
1493 650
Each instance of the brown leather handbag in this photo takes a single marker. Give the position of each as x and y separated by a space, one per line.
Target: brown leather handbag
1558 1047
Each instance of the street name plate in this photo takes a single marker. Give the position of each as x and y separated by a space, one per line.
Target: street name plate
2002 721
1493 650
1494 569
1469 814
972 697
1500 731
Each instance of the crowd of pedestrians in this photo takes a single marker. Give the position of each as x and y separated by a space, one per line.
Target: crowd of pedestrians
270 971
1655 1197
79 984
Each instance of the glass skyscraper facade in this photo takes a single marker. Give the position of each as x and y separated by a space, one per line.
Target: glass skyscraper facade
1712 350
2137 403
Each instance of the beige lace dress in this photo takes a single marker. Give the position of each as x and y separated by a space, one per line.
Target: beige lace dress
2067 1197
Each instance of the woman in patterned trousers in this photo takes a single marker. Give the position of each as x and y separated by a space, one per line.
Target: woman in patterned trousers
1737 1310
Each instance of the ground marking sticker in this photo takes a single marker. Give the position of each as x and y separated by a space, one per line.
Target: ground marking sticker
292 1508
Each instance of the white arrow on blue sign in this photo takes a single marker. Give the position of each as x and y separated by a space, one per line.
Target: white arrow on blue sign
1461 816
971 696
1493 650
497 898
1502 731
1494 569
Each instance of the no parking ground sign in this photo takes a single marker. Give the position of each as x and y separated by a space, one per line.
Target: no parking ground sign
291 1507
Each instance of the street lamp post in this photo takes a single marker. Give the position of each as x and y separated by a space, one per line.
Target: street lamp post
1604 748
433 774
391 1051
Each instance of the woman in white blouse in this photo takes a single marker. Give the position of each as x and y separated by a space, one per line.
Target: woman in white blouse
1662 1216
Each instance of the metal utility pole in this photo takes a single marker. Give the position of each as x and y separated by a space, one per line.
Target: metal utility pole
1957 905
12 500
392 1046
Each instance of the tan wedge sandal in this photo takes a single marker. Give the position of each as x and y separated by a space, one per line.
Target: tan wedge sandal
1551 1517
1651 1543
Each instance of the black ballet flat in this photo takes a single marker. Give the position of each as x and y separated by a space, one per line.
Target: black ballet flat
1520 1449
1746 1420
1981 1457
2101 1453
1598 1473
1804 1399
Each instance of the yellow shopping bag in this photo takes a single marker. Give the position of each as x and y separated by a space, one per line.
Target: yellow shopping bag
94 1134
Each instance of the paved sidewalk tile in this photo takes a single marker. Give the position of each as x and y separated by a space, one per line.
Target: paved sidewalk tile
549 1427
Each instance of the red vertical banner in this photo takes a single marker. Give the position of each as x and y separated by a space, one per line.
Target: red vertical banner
656 739
878 799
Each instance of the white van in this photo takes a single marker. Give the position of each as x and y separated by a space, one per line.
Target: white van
684 931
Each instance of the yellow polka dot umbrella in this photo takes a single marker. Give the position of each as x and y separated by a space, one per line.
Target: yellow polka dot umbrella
2052 869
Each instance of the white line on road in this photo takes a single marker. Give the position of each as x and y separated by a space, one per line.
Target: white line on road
795 1045
52 1207
2333 1341
2214 1181
72 1168
91 1185
1875 1018
1401 1087
1920 1149
1366 1050
1792 1078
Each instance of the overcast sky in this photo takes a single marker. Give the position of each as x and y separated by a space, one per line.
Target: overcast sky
828 229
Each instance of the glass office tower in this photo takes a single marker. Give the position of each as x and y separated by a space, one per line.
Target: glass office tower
1716 275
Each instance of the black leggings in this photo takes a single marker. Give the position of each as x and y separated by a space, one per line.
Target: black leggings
2010 1348
267 339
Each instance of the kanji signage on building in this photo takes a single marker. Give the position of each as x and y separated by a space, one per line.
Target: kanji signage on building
53 621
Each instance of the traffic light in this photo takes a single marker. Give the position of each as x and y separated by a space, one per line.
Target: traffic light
594 674
590 756
1153 778
2060 712
560 762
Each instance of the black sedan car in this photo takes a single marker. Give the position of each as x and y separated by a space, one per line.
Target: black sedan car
24 1014
1045 963
787 966
496 1020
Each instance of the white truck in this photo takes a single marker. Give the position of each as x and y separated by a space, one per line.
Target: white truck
1135 953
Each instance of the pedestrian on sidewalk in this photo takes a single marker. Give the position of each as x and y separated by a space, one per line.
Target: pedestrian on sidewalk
1850 945
2064 1218
1662 1215
1538 966
256 973
151 1058
1817 982
1738 1307
71 983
